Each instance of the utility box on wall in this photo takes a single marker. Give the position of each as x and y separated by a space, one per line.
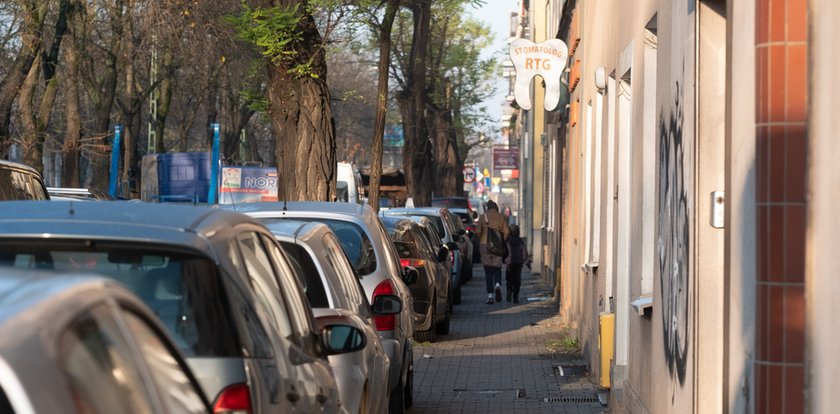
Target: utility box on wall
606 341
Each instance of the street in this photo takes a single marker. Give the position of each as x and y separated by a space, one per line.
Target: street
502 358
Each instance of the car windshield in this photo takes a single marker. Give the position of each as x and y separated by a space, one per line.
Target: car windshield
354 241
184 290
436 221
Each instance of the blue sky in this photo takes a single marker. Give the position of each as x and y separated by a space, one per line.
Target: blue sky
496 14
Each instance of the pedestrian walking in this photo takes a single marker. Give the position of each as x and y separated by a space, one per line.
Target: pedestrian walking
493 232
517 256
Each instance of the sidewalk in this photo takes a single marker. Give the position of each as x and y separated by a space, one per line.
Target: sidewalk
502 358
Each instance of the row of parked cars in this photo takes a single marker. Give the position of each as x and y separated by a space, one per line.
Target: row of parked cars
272 307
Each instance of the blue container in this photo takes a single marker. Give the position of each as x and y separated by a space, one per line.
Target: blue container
184 176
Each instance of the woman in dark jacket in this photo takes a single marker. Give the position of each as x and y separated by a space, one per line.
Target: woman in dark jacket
517 256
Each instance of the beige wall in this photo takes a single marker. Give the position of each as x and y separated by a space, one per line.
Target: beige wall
669 358
823 223
740 248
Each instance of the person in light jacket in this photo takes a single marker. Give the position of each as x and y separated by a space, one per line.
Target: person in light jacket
492 263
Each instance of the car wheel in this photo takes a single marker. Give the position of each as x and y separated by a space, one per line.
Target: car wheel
429 334
396 405
456 295
442 328
468 271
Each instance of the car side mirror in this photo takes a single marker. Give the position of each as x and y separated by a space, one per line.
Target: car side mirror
452 246
442 254
386 305
410 275
342 339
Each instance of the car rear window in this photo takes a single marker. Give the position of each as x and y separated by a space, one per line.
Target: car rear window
308 275
353 239
184 290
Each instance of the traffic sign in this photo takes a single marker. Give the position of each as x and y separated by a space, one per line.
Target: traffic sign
469 174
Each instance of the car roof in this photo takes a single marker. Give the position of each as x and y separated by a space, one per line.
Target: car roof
297 229
189 226
17 165
425 210
281 207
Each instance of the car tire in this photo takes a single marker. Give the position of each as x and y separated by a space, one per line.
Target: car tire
429 334
442 328
409 389
456 295
468 271
396 404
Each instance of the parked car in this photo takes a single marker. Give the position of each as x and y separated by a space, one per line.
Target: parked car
21 182
449 231
218 281
452 202
432 305
332 289
83 344
374 258
469 218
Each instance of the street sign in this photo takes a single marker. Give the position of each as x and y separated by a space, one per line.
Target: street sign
496 180
478 175
506 158
479 188
469 174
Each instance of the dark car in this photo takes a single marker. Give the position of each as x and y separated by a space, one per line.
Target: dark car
449 229
218 281
83 344
469 218
432 305
21 182
451 202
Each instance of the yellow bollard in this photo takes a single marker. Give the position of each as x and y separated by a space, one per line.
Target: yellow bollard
606 340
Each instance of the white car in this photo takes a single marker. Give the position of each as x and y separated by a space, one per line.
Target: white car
334 292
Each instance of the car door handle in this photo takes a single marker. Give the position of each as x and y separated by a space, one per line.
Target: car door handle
293 396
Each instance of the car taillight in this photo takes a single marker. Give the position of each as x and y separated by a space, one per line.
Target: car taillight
471 228
384 322
412 262
235 399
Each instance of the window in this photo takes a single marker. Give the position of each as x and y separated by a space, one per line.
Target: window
350 285
19 185
298 310
100 367
178 394
184 290
264 283
308 274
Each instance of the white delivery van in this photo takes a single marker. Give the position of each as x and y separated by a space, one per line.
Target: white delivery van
348 186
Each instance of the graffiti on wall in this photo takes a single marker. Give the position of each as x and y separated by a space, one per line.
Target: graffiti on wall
673 238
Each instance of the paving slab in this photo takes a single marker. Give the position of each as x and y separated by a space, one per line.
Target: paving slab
498 358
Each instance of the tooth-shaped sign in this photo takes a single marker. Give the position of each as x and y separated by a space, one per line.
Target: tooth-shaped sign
547 59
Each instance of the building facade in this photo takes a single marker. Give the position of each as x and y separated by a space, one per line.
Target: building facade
689 181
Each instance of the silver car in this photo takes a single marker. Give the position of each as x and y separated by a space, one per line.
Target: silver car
369 248
218 281
332 289
81 344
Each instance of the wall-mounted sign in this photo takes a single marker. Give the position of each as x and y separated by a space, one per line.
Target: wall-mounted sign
505 158
547 59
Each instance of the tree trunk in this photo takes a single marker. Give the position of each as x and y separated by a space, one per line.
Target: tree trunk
301 119
381 101
164 101
418 155
32 152
31 41
71 150
102 92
